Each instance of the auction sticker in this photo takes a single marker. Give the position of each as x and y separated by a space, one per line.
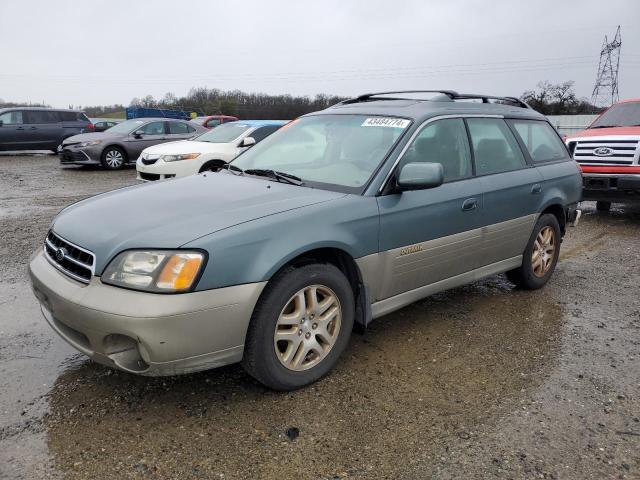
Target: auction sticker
386 122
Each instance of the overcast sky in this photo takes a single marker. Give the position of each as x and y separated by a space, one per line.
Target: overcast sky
103 52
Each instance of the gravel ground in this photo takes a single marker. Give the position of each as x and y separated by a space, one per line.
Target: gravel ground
482 381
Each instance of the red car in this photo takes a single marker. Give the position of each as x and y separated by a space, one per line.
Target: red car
608 153
213 121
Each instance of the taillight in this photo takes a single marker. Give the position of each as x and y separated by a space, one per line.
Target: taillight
91 126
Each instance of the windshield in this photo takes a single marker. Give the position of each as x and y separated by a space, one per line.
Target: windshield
127 126
620 115
342 150
224 133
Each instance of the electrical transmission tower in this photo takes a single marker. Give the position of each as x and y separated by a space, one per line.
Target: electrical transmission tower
605 91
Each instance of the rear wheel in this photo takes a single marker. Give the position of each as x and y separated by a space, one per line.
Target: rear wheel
113 158
300 326
541 255
603 206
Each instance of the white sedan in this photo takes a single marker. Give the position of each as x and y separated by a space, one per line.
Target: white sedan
203 153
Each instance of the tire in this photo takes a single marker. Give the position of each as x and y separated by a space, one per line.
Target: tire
284 336
603 206
532 275
113 158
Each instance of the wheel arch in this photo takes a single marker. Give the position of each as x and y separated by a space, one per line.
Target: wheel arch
556 209
120 147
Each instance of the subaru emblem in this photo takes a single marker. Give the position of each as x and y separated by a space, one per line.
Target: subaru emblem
61 253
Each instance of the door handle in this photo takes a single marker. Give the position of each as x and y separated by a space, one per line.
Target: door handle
34 128
537 188
20 128
469 204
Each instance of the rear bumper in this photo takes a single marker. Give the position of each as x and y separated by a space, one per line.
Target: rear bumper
143 333
611 187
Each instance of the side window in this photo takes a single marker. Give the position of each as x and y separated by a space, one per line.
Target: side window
42 116
12 118
263 132
179 128
214 122
495 148
541 141
153 128
444 142
69 116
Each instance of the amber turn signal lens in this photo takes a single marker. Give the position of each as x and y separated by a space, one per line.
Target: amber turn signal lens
179 272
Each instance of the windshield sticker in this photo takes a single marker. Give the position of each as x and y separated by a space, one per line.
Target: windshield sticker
386 122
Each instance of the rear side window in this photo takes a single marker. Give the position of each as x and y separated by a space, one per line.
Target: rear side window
495 149
73 117
540 139
42 116
179 128
12 118
261 133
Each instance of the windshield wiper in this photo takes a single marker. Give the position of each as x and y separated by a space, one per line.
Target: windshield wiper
278 176
232 168
603 126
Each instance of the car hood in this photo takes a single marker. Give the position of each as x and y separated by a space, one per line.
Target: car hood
186 146
172 213
87 137
609 131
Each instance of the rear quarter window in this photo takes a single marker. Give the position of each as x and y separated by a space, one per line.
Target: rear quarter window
540 140
73 117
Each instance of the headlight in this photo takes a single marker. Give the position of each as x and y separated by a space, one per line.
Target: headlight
167 271
89 144
182 156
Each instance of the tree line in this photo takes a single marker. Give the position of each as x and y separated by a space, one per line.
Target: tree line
547 98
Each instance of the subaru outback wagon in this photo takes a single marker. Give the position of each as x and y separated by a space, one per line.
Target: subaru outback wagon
340 217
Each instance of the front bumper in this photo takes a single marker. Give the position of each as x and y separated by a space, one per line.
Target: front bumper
160 170
79 156
611 187
145 333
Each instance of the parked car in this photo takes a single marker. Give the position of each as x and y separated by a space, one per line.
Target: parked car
102 124
34 128
203 153
122 143
609 155
342 216
213 121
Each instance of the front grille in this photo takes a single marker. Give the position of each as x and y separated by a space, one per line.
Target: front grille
149 159
67 156
74 261
605 152
149 176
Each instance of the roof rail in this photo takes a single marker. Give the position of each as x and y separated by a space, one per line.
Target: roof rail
486 98
451 94
369 96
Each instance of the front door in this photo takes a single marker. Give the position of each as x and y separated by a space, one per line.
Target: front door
511 189
13 135
150 134
433 234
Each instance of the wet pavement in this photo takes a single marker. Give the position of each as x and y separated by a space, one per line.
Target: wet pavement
482 381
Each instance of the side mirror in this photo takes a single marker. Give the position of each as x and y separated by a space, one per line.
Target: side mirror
138 133
420 176
248 142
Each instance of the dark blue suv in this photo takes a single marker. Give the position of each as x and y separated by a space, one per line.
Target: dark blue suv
33 128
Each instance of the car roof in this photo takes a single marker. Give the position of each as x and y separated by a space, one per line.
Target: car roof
158 119
40 108
450 103
261 123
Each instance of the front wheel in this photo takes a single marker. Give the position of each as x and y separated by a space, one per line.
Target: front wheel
541 255
300 327
113 158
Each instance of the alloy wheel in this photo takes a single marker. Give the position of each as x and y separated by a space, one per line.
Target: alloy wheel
114 158
544 250
307 327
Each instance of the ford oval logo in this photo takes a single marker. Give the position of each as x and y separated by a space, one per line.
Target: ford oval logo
603 152
61 253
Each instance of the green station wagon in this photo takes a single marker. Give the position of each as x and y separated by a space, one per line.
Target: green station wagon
340 217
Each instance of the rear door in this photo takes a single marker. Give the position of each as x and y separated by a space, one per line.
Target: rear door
180 131
13 135
44 129
433 234
512 189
